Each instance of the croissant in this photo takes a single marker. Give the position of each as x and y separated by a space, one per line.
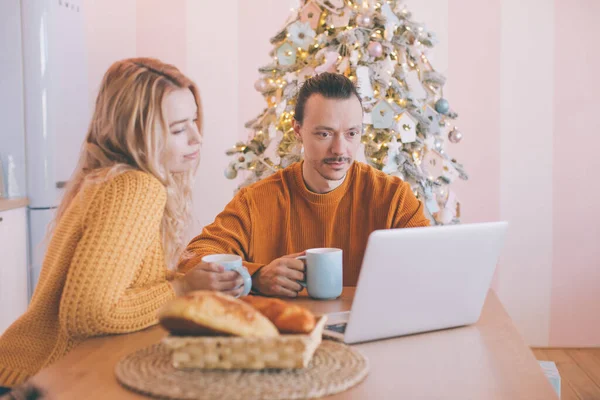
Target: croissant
287 317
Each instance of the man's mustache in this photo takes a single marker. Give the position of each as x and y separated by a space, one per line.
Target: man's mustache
337 159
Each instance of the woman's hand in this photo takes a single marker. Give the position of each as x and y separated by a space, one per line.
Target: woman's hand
209 276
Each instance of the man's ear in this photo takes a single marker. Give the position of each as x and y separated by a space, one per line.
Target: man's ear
297 127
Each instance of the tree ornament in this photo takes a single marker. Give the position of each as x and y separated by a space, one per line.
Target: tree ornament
261 85
375 49
301 34
363 20
455 136
442 106
445 216
230 172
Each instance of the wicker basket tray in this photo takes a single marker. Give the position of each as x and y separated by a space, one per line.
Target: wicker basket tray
226 352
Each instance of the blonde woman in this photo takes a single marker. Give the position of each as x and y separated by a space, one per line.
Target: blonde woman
120 227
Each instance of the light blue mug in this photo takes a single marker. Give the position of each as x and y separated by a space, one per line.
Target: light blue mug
324 273
232 262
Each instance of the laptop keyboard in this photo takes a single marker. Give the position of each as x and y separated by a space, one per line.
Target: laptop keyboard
340 328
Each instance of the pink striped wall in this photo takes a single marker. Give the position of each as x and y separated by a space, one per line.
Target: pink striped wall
161 30
110 31
575 319
526 129
474 89
255 30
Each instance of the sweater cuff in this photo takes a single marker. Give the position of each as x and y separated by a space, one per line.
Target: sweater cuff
253 267
253 272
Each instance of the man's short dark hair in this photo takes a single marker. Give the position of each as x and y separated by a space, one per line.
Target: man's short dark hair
328 85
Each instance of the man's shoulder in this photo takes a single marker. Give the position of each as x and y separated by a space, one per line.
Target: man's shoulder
267 188
368 176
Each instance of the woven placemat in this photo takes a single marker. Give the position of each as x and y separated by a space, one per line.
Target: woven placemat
334 368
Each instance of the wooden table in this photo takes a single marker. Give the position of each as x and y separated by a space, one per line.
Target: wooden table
488 360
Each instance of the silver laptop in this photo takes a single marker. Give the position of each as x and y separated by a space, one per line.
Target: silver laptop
420 279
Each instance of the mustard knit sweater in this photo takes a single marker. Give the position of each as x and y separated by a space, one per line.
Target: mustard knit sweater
104 273
280 215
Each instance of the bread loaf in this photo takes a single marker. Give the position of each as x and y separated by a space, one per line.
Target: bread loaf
287 317
214 313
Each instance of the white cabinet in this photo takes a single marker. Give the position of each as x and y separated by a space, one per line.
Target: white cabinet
13 265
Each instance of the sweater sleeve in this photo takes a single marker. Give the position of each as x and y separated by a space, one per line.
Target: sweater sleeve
121 222
409 211
230 233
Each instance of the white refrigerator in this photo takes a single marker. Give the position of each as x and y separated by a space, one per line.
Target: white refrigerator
57 110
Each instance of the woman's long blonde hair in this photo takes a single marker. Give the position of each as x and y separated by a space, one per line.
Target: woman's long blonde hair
129 131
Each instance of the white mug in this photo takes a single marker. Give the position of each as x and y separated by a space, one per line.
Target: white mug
324 273
231 262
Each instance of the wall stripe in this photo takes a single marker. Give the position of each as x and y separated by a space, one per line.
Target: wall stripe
161 30
527 91
575 320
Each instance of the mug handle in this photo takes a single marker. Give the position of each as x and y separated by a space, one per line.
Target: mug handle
246 277
302 283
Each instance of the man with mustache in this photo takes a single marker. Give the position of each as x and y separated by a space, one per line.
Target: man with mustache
327 200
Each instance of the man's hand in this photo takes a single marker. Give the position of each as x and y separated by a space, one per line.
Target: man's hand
280 277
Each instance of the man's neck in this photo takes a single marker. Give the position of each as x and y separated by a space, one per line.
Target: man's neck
316 183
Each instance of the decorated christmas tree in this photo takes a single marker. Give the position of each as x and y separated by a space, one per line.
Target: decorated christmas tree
407 121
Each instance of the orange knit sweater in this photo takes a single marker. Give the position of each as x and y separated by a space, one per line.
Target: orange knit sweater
279 216
104 273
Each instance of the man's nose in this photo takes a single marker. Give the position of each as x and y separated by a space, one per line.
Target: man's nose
337 145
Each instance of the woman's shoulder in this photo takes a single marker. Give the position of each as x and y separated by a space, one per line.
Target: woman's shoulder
132 186
132 180
138 178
